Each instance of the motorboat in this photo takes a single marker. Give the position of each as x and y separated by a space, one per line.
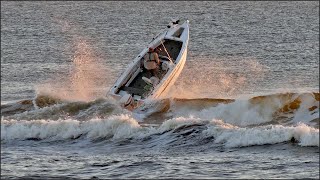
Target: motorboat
137 84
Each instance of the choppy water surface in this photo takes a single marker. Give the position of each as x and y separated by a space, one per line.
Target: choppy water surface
245 106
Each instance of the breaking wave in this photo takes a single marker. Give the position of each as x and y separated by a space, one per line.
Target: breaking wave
270 119
171 132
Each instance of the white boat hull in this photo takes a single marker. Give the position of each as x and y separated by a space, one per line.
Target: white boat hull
168 82
177 62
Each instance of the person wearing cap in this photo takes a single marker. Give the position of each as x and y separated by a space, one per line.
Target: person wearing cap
151 61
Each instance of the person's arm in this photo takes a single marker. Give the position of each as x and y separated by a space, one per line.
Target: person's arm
157 58
163 57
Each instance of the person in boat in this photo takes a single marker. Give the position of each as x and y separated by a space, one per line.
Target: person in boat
152 62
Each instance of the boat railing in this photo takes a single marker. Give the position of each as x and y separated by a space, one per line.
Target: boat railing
156 36
165 49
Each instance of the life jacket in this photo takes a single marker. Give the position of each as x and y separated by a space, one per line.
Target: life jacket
150 57
150 61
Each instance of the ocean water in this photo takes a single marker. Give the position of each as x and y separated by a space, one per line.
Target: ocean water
246 104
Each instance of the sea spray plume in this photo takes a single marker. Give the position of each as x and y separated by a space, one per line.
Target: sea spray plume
88 75
85 81
205 77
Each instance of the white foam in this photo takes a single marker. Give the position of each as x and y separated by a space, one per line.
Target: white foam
233 136
115 126
121 126
9 102
303 114
240 112
41 129
124 126
178 122
246 112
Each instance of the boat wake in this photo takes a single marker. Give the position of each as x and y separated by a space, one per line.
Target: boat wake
270 119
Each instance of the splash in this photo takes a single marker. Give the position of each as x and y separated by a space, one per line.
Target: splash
218 78
85 81
285 109
235 123
288 108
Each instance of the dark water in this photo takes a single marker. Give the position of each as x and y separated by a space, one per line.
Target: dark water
245 106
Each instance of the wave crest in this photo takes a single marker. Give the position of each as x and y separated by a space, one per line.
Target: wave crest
121 126
233 136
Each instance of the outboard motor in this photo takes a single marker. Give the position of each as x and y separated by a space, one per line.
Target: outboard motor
173 22
126 100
